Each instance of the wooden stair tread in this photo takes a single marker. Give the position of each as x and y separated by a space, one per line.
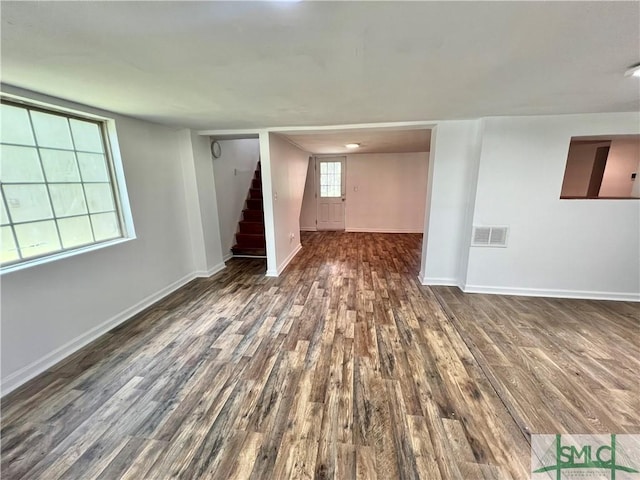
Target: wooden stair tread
250 238
249 251
253 215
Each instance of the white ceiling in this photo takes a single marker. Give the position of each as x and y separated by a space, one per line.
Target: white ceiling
263 64
371 141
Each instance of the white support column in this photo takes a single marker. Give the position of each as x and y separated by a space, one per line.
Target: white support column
202 207
453 167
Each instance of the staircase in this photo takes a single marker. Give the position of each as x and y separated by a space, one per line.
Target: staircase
250 236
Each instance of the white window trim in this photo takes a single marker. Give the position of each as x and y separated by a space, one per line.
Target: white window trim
119 185
62 255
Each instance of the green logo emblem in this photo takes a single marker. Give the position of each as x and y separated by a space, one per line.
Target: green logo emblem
560 457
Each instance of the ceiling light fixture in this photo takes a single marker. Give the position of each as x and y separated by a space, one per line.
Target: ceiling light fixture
633 71
352 145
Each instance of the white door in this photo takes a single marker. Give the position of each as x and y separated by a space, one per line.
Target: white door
330 192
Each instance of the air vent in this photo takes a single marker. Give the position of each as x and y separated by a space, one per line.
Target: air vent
489 236
481 235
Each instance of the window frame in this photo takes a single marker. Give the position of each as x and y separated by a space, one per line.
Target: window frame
115 172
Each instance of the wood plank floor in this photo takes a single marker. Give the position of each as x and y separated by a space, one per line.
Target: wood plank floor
344 367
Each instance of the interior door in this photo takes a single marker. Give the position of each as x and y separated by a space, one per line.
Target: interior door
330 191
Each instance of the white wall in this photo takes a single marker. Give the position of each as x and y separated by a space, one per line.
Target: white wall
577 173
622 161
390 195
52 309
385 192
233 174
192 199
581 248
309 209
286 172
209 206
635 190
453 165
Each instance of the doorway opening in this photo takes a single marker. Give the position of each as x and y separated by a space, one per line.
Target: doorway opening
371 180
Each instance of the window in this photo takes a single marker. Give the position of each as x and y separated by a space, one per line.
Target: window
330 179
57 184
602 167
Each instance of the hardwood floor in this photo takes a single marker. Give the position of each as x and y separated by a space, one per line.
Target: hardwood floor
578 358
344 367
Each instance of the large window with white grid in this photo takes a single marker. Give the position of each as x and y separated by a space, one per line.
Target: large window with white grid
57 183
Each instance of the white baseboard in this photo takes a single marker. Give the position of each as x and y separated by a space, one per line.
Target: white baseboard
383 230
446 282
285 262
23 375
308 229
227 256
212 271
539 292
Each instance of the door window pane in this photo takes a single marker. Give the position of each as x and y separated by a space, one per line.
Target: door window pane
27 202
75 231
330 179
20 165
37 238
68 199
60 165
